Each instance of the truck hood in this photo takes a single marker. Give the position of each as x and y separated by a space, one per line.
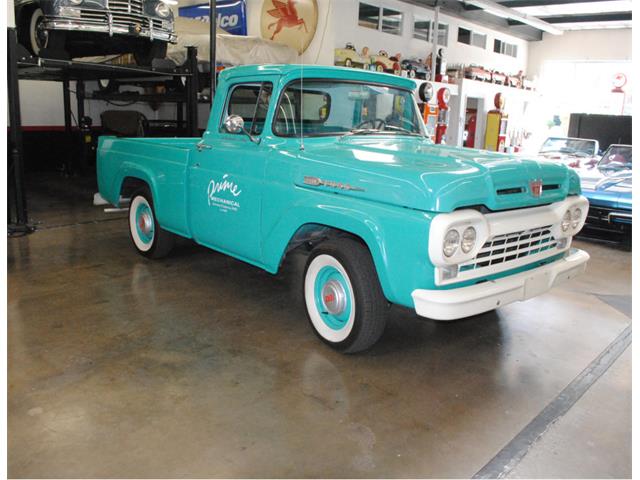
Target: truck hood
415 173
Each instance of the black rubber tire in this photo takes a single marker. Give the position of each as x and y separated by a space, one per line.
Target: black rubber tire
370 302
163 240
145 55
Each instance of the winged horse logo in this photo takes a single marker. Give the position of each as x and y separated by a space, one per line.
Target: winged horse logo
287 16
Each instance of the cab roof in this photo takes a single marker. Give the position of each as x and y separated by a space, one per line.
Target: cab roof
293 72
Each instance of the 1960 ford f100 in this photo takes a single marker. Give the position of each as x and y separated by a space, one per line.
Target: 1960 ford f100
338 162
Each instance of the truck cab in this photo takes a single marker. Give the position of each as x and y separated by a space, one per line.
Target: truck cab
336 161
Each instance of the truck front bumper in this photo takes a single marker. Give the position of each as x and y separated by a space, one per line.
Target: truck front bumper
464 302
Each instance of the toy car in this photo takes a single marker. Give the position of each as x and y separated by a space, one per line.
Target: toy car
415 69
475 72
498 77
82 28
383 63
349 57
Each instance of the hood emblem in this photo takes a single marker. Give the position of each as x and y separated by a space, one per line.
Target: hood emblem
535 186
319 182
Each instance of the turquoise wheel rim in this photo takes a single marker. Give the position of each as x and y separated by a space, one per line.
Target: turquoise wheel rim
144 223
333 297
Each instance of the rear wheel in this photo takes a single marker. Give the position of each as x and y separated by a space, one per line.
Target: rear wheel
344 300
149 238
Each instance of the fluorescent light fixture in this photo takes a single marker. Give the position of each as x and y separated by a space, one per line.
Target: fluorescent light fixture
495 8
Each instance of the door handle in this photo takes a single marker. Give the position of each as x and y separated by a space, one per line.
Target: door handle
202 146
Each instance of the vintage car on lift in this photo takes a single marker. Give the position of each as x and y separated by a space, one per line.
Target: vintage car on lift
608 187
573 152
385 215
84 28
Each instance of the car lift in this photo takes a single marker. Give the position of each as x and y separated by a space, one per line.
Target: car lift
21 65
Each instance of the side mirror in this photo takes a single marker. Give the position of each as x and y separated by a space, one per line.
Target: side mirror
234 124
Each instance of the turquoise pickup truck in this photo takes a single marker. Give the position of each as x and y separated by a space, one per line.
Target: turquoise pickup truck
337 162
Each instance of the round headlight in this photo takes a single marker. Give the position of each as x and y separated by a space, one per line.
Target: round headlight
163 10
75 2
566 221
575 218
468 239
451 242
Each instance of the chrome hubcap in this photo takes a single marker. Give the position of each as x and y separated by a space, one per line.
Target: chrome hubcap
334 297
145 223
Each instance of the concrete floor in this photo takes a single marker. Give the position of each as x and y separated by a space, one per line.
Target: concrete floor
202 366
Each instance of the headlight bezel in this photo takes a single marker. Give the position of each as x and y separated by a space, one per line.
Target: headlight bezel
565 222
162 5
452 236
469 232
576 217
459 220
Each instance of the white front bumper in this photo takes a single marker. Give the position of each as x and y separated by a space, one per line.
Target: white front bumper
467 301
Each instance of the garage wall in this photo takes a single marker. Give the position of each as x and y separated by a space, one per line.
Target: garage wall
347 30
580 45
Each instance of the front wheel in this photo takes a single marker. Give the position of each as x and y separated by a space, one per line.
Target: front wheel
149 238
344 300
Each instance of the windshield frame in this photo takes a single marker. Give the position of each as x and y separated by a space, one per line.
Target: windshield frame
284 88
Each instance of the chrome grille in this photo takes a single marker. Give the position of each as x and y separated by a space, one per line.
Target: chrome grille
126 20
126 6
502 249
95 15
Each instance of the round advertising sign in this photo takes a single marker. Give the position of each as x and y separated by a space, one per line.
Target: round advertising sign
289 22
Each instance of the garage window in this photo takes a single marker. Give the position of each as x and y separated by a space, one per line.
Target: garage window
469 37
385 20
505 48
423 30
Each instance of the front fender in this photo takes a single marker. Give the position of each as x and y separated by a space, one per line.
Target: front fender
396 237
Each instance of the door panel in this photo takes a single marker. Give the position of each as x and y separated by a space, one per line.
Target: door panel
225 189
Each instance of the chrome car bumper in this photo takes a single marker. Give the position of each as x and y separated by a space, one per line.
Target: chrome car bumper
464 302
102 21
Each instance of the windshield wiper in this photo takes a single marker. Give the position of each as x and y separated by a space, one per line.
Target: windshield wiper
361 131
401 129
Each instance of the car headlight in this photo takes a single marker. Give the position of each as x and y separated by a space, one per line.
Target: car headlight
75 2
163 10
575 218
566 221
468 239
451 242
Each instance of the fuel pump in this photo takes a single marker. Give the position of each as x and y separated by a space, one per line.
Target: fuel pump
429 109
496 132
443 114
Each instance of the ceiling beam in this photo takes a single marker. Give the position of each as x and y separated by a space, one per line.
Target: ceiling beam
543 3
499 10
455 8
587 17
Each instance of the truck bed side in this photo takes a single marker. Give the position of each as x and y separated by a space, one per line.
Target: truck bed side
161 163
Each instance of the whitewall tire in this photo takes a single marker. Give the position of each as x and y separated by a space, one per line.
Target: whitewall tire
343 298
147 236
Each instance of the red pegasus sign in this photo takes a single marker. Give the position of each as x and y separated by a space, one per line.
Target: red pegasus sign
287 16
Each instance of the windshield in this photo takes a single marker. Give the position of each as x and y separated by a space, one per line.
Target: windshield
617 157
569 146
338 108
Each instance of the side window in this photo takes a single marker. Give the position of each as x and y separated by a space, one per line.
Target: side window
251 102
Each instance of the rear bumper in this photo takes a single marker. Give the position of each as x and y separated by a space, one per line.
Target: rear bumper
464 302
